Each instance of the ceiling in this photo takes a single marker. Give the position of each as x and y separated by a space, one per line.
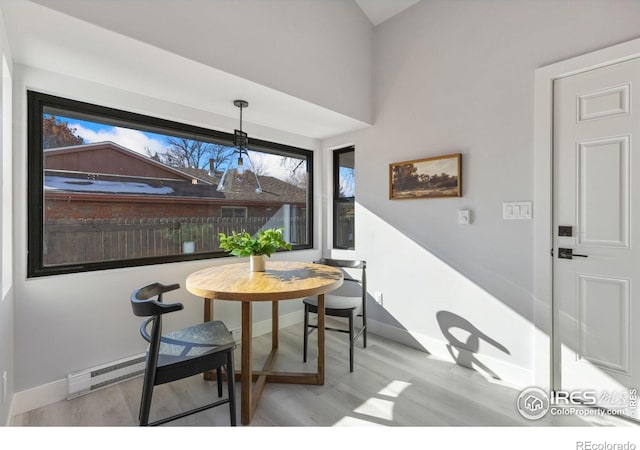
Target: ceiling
380 10
41 45
161 74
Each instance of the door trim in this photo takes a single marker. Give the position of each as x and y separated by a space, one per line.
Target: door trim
544 358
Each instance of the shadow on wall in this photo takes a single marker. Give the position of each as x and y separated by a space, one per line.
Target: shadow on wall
380 314
463 352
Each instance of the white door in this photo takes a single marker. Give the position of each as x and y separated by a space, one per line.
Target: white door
597 219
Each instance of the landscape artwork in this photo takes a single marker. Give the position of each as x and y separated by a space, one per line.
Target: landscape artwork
439 176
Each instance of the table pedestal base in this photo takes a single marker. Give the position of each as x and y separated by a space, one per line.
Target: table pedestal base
250 392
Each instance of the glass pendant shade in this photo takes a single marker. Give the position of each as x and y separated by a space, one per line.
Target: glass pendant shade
240 177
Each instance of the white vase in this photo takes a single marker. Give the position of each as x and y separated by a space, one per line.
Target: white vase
256 263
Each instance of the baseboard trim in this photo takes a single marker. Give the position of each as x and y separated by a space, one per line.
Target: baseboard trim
9 420
39 396
56 391
509 374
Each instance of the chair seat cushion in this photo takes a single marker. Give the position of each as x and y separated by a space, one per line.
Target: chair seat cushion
195 340
347 296
335 302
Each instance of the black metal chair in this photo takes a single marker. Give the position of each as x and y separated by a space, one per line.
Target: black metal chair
348 301
181 354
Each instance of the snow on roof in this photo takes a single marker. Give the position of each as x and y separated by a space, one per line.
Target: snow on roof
57 183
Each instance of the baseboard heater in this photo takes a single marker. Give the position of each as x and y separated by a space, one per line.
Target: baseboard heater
90 380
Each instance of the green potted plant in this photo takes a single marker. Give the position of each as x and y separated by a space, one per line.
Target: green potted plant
264 243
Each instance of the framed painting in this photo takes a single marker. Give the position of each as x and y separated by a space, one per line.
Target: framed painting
439 176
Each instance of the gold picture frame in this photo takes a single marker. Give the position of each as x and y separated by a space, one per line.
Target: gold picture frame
435 177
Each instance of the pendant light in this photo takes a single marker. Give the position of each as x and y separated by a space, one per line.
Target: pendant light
240 177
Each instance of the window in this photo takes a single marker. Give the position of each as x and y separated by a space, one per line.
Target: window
344 183
234 211
109 188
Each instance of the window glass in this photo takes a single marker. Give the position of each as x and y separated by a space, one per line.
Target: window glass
344 198
231 211
113 189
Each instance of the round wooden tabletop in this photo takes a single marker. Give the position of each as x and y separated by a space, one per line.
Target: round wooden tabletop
282 280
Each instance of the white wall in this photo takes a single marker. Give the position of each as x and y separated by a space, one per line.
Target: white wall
6 228
458 76
316 50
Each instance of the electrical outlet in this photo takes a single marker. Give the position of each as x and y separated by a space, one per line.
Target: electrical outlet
378 297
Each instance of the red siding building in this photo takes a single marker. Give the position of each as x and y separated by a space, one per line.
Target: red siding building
105 180
103 201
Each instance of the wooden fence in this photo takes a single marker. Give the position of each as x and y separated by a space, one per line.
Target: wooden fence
73 241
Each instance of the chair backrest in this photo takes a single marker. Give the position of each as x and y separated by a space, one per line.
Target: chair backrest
350 264
147 302
347 264
144 304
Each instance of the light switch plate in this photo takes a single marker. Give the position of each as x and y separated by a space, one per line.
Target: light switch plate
517 210
464 217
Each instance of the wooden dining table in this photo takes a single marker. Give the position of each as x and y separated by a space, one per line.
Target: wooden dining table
282 280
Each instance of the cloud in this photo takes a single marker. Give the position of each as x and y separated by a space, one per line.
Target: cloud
132 139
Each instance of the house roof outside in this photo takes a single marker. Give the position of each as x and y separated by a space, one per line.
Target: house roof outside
64 177
85 149
272 187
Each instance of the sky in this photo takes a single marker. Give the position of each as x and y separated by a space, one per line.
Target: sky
347 181
135 140
140 141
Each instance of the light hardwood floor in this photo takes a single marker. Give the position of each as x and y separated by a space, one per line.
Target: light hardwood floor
392 385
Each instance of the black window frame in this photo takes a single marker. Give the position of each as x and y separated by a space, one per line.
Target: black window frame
36 104
337 199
